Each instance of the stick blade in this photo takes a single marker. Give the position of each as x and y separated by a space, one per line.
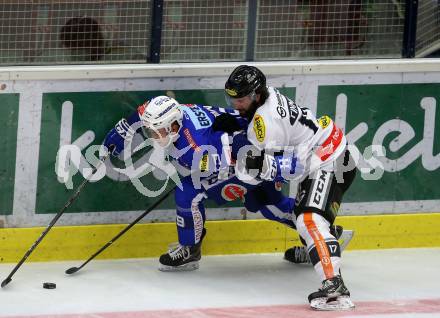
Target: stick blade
345 238
72 270
6 281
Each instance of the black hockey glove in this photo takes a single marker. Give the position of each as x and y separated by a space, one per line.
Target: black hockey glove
227 123
265 165
254 162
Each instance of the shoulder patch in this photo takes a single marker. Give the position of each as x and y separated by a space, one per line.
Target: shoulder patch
324 121
259 128
204 163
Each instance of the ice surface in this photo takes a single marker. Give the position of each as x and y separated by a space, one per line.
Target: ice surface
397 283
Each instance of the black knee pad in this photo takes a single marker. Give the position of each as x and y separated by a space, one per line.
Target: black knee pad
333 248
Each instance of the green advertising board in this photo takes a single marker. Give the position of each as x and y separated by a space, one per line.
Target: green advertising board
401 118
98 112
8 148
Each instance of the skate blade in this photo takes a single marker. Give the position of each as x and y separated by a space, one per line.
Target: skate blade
191 266
340 303
345 238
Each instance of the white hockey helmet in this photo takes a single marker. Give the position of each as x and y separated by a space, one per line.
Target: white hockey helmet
158 115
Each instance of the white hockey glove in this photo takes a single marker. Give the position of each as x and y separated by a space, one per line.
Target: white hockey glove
273 168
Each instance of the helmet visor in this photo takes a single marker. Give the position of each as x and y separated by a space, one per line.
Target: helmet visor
236 102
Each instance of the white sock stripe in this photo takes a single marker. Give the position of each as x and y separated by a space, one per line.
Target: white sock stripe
197 215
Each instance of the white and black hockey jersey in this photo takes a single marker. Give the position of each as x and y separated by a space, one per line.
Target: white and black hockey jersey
281 125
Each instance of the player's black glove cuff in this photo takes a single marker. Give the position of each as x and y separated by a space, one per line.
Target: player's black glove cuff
227 123
254 162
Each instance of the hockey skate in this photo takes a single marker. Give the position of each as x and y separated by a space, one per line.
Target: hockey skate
299 255
333 295
181 257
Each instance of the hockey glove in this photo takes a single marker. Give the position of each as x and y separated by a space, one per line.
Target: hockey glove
272 168
286 167
122 132
227 123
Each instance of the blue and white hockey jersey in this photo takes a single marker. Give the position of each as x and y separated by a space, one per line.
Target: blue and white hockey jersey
206 159
210 158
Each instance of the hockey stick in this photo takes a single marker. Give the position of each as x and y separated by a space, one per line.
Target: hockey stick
73 270
52 223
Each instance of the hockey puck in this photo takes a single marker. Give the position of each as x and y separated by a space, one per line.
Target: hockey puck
49 285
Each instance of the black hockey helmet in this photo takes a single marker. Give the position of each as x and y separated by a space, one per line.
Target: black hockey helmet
244 80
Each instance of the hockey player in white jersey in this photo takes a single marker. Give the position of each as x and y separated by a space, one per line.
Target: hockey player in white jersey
282 130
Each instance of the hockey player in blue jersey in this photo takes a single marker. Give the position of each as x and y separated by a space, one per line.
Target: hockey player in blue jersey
206 163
